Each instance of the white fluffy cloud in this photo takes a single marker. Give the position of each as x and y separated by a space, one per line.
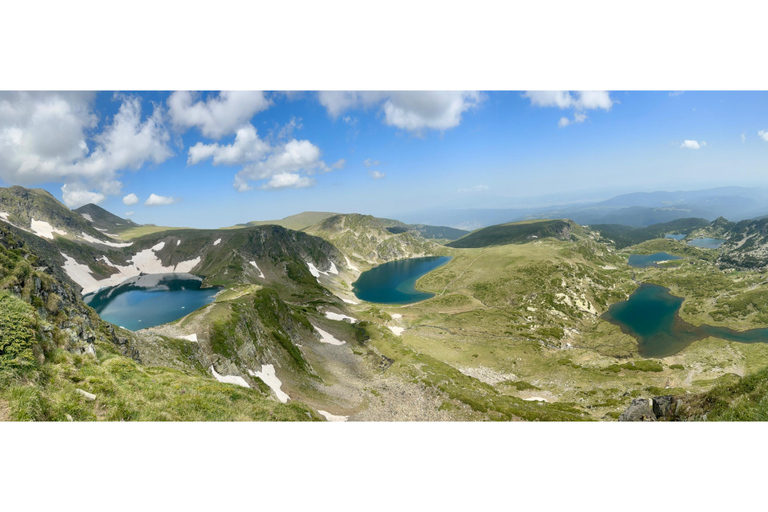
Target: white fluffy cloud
156 200
581 100
414 111
48 136
247 147
217 115
76 195
130 199
282 164
691 144
288 180
369 162
762 134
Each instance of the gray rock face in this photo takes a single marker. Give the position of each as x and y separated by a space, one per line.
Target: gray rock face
664 407
639 410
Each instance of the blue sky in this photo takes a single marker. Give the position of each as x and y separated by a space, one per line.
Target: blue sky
215 159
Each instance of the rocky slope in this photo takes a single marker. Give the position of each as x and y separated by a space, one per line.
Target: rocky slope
367 240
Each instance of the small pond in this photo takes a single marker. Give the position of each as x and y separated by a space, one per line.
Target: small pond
649 260
707 243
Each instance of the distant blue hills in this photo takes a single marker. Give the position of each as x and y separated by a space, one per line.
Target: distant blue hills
639 209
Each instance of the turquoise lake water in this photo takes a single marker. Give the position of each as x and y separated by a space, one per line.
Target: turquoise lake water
707 243
147 301
647 260
675 237
394 282
651 316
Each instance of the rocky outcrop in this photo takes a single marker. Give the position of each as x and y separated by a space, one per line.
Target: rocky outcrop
659 408
639 410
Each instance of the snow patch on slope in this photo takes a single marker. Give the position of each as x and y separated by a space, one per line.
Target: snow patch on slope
217 242
261 274
313 269
267 374
396 330
326 337
4 216
189 337
87 217
332 417
337 316
229 379
316 272
350 266
45 230
145 261
89 238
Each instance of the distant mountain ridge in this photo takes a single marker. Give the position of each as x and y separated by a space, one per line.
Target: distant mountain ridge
639 209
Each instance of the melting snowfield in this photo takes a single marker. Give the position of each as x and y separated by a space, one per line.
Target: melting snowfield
396 330
261 274
326 337
229 379
316 272
89 238
267 374
337 316
332 417
45 230
145 261
350 266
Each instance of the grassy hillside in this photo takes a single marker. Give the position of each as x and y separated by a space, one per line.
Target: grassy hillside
296 222
59 361
516 232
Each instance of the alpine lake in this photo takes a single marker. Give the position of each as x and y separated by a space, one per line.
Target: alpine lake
394 282
651 316
151 300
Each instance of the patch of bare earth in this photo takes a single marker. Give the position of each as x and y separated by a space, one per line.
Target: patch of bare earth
5 411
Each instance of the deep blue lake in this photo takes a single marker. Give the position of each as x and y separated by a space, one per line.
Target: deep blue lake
150 300
706 243
647 260
395 282
651 315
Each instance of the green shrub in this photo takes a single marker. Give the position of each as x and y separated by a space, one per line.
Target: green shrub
17 334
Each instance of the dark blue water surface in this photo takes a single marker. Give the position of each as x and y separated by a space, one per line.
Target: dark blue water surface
648 260
651 315
395 282
147 301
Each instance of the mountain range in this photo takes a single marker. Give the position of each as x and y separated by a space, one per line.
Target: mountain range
512 325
